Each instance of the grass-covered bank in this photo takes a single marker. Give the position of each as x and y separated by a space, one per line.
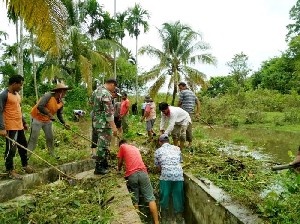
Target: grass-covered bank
86 201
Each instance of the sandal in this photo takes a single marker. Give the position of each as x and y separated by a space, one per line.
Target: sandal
14 175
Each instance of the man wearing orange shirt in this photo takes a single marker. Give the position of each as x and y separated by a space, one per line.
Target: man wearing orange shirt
124 112
12 124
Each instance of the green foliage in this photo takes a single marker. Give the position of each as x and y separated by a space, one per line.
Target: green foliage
76 99
282 207
239 68
251 107
219 86
292 115
85 202
277 74
294 28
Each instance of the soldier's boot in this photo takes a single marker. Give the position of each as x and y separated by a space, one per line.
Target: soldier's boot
105 164
100 169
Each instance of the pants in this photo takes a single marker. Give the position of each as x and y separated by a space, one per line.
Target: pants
124 121
189 130
179 132
174 189
10 149
139 182
104 139
35 131
94 138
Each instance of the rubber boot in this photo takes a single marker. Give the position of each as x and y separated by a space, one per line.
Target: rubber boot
105 163
100 169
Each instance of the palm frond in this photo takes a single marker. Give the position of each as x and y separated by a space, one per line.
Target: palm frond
150 75
85 68
157 85
194 77
203 58
101 62
46 18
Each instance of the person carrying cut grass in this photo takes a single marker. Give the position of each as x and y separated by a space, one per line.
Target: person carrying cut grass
42 116
12 124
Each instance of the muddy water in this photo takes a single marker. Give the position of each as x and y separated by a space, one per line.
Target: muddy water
273 143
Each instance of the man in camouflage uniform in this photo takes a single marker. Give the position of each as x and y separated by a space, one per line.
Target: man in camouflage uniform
103 122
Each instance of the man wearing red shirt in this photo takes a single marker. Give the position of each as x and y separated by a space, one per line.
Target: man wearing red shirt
124 112
137 176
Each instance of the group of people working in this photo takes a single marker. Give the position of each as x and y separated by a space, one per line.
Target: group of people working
175 121
105 122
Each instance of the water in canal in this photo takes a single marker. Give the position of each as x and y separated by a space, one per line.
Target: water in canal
271 142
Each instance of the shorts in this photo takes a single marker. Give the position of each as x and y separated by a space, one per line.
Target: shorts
150 124
139 182
118 122
179 132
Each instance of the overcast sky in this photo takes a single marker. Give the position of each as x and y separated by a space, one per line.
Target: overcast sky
255 27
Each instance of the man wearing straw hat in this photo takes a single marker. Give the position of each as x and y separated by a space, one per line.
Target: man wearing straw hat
12 125
42 116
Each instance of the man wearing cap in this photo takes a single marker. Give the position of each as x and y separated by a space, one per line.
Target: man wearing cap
150 116
124 112
42 116
168 160
187 101
178 120
103 122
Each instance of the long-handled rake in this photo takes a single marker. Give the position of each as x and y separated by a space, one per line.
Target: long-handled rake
54 167
84 137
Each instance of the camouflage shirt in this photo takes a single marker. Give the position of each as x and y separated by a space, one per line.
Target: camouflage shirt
103 109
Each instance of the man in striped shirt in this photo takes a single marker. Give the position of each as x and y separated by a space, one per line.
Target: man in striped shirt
187 101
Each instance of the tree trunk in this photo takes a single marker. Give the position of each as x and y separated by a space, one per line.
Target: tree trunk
137 72
33 67
21 62
175 87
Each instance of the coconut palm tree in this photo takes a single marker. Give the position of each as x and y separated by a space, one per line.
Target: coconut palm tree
180 49
46 18
137 17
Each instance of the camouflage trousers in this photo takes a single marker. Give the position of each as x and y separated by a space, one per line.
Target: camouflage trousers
104 139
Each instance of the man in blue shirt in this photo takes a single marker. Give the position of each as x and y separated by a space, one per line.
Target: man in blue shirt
187 101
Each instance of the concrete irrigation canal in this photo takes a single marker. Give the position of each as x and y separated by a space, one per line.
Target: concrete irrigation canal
205 203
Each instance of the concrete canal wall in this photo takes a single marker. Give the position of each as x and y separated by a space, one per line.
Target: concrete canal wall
207 204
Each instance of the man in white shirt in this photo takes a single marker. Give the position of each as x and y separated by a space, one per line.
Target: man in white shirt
178 121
